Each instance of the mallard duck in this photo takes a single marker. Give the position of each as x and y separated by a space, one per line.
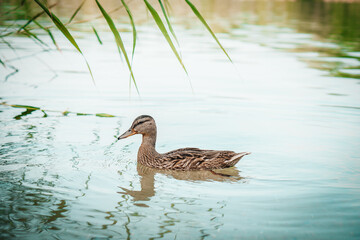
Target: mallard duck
180 159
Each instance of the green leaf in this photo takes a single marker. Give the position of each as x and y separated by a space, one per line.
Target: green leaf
30 20
134 36
45 115
59 25
197 13
30 34
65 113
167 6
132 25
48 32
162 28
104 115
65 32
76 11
97 35
53 39
30 109
25 106
14 9
118 40
168 22
34 18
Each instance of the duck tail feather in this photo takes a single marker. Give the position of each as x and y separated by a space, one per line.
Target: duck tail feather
238 156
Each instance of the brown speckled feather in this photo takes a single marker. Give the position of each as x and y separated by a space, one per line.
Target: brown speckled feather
197 159
180 159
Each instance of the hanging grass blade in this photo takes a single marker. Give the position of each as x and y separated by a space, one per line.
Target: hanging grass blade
59 25
30 34
65 32
164 32
53 39
76 11
197 13
132 25
97 35
168 22
34 18
118 40
48 32
167 6
134 36
16 8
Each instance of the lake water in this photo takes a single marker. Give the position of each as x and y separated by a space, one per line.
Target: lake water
291 97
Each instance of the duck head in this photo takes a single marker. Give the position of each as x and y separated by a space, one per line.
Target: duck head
143 124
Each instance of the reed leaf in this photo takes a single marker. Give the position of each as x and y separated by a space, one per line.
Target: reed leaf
49 33
168 22
24 106
35 17
59 25
16 8
197 13
45 114
132 25
65 32
167 6
162 28
30 20
76 11
30 34
97 35
104 115
118 40
64 113
134 36
53 39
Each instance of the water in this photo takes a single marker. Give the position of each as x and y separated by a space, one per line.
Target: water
291 98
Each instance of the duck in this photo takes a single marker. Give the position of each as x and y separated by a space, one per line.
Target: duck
184 159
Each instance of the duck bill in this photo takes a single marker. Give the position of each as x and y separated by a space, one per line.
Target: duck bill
126 134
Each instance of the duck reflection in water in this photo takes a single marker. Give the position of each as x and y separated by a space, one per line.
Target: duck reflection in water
147 179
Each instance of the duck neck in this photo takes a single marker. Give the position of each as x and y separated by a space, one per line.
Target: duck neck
147 153
149 140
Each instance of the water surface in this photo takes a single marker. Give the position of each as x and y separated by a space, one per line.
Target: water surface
291 98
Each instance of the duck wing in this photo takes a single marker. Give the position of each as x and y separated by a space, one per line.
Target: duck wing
197 159
183 149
